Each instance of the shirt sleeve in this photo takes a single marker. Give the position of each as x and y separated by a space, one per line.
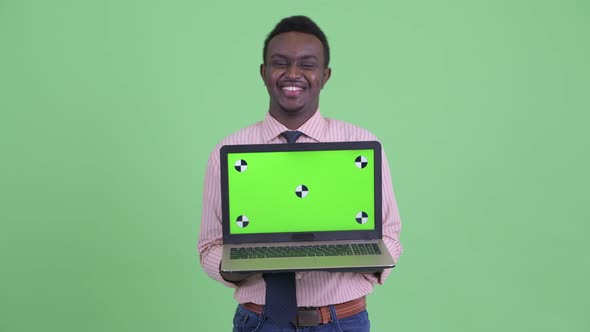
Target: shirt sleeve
391 223
210 238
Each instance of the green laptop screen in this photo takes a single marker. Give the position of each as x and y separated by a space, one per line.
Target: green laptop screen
301 191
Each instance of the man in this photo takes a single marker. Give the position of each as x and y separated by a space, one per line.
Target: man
295 68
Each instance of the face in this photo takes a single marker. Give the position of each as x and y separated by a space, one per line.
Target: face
294 74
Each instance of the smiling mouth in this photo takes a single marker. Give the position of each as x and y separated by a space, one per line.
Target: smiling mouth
292 91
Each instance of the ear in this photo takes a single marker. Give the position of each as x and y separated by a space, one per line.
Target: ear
326 76
263 72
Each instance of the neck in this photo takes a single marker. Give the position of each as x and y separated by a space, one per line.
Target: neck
292 120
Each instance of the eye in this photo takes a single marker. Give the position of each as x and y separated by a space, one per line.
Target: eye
307 64
279 63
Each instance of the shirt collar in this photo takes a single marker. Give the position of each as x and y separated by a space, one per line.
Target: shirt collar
313 128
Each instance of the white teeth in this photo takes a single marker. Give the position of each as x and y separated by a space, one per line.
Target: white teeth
292 88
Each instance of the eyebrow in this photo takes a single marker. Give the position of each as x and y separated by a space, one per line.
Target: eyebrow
304 57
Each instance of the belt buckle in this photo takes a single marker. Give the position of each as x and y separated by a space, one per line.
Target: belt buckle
307 317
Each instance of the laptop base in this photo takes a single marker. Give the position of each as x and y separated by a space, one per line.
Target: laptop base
356 263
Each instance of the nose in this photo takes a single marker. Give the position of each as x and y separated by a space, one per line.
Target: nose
292 71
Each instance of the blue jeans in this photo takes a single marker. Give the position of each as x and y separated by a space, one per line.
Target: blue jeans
249 321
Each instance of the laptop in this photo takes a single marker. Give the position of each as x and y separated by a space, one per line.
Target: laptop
302 207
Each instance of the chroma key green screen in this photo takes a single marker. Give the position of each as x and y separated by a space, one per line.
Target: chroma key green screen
301 191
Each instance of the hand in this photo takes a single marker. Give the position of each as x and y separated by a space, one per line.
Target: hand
376 271
236 276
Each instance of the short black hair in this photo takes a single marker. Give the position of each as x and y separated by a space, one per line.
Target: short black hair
299 23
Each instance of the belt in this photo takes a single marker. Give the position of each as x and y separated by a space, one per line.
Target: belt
313 316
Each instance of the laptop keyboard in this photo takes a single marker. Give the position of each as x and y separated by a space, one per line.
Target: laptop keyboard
355 249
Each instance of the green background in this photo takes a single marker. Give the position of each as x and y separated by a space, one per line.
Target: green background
109 110
338 191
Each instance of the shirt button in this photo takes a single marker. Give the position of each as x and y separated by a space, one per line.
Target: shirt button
297 275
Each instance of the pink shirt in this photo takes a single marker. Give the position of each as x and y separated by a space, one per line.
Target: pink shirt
313 288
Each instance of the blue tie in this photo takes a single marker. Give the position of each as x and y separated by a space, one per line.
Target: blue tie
291 135
281 296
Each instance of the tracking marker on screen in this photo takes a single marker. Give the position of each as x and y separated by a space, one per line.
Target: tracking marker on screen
361 162
362 217
242 221
301 191
241 165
